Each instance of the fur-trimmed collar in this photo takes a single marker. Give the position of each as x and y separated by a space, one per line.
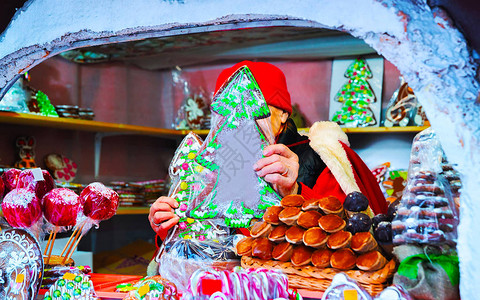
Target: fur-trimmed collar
324 139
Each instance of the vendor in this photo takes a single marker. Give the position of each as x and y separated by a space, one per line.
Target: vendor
316 166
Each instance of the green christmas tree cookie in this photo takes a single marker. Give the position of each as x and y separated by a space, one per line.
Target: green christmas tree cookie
356 96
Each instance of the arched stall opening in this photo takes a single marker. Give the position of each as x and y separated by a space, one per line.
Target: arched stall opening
417 41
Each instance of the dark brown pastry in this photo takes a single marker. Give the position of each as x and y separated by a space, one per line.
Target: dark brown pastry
315 237
343 259
308 219
321 258
283 251
302 255
331 223
261 229
289 215
310 204
294 235
339 240
371 261
262 248
244 246
292 200
271 215
363 242
330 205
278 233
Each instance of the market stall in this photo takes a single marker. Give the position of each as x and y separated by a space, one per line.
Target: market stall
300 240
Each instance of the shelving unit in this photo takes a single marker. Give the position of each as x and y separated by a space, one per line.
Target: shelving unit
104 127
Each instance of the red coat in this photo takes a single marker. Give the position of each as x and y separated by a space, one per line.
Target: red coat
345 172
327 185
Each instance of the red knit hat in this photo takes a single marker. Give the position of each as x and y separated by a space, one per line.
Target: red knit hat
270 79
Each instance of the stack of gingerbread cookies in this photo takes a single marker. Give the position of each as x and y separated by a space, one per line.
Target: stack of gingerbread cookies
321 232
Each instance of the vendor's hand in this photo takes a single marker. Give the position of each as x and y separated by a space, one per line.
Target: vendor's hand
162 216
280 168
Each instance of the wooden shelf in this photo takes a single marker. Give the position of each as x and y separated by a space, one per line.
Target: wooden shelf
85 125
96 126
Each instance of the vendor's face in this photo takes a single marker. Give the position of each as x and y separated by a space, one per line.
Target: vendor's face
278 118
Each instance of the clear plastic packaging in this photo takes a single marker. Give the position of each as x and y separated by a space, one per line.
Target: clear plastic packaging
394 292
180 258
344 287
232 191
215 183
427 213
239 284
17 97
193 111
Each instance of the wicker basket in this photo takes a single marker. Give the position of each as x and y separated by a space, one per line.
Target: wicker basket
317 279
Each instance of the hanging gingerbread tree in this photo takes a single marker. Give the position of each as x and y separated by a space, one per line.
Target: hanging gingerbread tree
356 96
232 191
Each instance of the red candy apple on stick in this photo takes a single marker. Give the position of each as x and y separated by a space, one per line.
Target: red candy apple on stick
60 208
21 208
10 179
99 203
37 180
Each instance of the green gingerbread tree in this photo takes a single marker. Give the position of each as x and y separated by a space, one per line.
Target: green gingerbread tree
232 191
356 96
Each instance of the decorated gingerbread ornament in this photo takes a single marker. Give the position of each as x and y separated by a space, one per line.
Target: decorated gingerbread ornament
195 108
63 168
240 131
357 97
404 108
21 265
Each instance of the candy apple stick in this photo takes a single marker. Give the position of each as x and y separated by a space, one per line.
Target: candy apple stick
51 244
67 257
48 243
75 234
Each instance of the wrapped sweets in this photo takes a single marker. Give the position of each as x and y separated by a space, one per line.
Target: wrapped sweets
21 208
151 288
61 207
10 179
72 286
240 285
99 202
40 181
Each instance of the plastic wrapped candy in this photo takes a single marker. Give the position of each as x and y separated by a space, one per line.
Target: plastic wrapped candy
61 207
180 259
239 284
99 202
72 286
10 179
426 213
37 180
343 287
21 208
152 287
